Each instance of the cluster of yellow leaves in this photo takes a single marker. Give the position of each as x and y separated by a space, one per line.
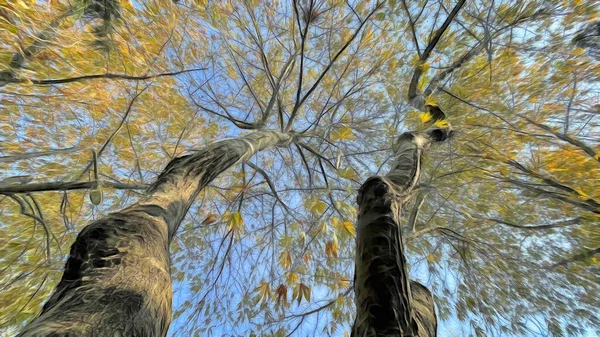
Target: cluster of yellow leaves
348 173
281 296
285 259
341 133
301 291
315 205
332 248
234 221
264 292
344 226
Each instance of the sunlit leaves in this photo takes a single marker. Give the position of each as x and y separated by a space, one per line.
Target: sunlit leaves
442 124
425 117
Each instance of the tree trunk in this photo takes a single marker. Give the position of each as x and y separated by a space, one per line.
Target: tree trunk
117 279
387 302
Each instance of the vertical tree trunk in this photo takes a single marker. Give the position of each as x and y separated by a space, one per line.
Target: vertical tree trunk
117 279
387 302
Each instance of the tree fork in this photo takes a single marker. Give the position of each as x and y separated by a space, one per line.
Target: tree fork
117 279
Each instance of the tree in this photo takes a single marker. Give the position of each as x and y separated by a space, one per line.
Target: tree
503 226
117 278
388 303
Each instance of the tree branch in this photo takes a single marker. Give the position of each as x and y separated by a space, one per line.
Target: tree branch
100 76
66 186
22 156
563 136
576 258
557 224
331 63
414 82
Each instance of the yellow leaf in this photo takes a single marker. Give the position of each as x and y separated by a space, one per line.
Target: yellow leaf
231 72
331 248
201 3
234 221
300 291
210 218
341 133
347 173
343 283
425 117
264 291
237 188
126 4
582 195
291 278
335 222
578 51
368 36
503 171
442 124
349 227
316 206
431 100
305 291
307 258
285 260
346 34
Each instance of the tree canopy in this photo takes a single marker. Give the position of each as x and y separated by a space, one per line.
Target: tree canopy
504 228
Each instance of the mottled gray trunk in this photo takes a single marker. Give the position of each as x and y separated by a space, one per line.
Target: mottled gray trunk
117 281
387 302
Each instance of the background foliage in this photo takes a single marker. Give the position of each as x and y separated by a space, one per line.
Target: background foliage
504 231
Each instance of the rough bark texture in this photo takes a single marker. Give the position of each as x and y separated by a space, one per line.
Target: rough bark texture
387 302
117 279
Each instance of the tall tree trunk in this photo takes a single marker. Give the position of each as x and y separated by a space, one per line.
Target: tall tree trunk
387 302
117 279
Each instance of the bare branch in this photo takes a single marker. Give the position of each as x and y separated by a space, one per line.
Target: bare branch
414 82
100 76
558 224
589 204
22 156
271 186
66 186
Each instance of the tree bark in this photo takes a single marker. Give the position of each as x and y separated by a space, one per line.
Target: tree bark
117 279
387 302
